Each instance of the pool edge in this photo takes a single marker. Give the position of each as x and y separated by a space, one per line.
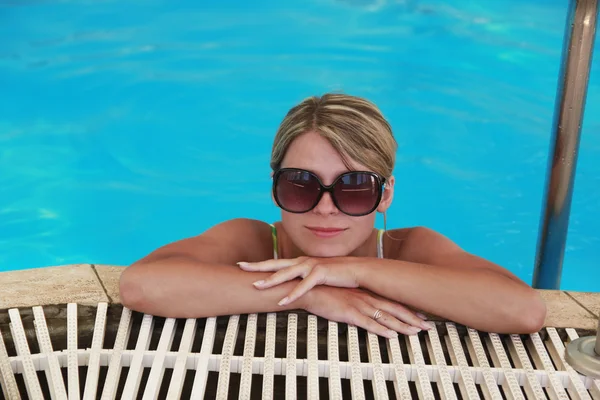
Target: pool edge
89 284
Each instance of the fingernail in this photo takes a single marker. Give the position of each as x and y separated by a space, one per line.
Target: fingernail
427 325
259 283
392 334
283 301
242 264
413 330
421 316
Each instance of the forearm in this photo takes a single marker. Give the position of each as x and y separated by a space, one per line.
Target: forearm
184 288
478 298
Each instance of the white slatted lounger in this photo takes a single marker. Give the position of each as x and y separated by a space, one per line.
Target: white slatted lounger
447 362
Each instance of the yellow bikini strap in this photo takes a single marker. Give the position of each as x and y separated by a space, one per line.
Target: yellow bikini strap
274 235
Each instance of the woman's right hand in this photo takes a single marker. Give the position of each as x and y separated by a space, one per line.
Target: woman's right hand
358 307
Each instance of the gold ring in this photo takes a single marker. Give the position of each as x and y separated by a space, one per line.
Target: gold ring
377 314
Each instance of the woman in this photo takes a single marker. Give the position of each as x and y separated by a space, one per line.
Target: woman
332 164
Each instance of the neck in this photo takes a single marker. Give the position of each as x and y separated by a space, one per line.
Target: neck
368 248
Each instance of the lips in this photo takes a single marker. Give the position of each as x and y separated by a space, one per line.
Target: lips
325 232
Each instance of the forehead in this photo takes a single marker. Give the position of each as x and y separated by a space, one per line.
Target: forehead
314 153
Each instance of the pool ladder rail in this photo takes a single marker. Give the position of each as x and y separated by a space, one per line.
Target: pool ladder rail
278 355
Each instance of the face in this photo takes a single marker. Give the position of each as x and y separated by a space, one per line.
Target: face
325 231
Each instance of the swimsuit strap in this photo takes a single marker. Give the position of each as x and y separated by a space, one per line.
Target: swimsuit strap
380 243
274 235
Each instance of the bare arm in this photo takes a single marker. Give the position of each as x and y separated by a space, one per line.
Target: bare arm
438 277
197 277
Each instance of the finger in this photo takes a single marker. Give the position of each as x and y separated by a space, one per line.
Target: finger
283 275
361 320
399 311
388 320
399 326
268 265
316 277
403 314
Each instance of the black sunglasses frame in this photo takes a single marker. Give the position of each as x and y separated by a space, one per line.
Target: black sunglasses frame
329 188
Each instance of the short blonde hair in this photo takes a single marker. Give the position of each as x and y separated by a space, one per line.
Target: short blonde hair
354 126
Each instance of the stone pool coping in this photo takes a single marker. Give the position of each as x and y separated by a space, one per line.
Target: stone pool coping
89 284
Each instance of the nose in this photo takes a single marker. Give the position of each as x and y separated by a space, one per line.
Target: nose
326 206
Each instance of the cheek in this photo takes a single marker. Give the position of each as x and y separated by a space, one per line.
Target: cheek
293 225
364 228
291 219
364 223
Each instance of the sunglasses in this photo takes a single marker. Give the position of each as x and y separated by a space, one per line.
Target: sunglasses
354 193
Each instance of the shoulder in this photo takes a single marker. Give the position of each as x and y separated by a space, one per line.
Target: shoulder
426 246
421 244
393 241
241 228
226 242
241 233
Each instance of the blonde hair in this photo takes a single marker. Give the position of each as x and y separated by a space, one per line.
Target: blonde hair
354 126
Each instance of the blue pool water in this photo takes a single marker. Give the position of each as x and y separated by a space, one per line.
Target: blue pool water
125 125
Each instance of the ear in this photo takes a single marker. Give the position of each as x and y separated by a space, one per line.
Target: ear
387 196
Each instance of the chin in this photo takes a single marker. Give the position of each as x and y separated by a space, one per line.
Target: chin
325 250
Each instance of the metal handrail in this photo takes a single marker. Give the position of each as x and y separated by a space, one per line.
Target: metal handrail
578 45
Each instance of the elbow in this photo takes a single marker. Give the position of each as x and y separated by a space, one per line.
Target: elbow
130 290
533 314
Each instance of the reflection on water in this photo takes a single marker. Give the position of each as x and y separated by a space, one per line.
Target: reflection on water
125 125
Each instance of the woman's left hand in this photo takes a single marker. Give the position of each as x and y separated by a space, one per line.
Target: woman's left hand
334 271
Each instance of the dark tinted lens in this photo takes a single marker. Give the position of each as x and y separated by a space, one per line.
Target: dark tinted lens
297 191
357 193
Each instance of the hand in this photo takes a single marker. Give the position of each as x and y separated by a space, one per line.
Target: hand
335 271
358 307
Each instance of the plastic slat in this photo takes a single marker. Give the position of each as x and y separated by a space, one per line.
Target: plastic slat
550 370
532 386
269 359
179 371
114 367
356 377
72 352
542 360
208 342
93 371
510 386
333 358
248 360
571 334
400 378
32 383
595 389
134 376
8 382
557 351
490 386
54 377
423 383
312 358
290 364
465 379
436 353
226 357
379 387
157 371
